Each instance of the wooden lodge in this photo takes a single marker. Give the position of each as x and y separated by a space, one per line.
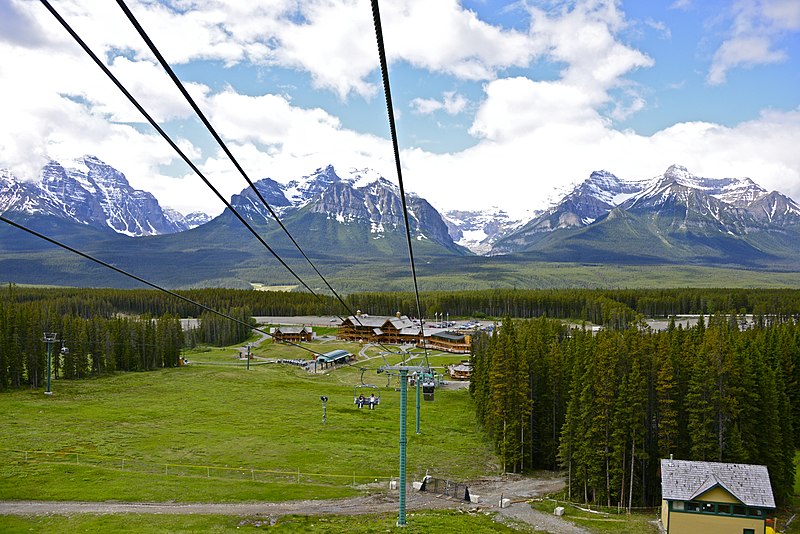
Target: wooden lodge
715 497
291 334
449 342
379 329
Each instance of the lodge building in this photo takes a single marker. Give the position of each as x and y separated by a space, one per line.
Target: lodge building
379 329
291 334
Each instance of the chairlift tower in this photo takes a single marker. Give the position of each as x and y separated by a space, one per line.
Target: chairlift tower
404 370
50 338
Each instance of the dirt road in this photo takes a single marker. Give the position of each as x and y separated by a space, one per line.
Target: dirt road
490 491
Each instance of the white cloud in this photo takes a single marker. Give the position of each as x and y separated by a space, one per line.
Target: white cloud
755 35
683 5
332 40
452 103
744 51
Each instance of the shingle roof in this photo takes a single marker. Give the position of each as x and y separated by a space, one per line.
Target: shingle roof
449 336
684 480
377 321
293 330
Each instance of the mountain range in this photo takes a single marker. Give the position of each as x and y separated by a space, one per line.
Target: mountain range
349 220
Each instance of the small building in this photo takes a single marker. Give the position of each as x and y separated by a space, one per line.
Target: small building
449 342
291 334
460 371
715 497
332 358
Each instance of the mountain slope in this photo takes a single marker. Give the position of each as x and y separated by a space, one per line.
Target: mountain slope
590 200
676 217
89 192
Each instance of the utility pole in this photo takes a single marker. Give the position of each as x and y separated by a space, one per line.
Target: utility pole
50 338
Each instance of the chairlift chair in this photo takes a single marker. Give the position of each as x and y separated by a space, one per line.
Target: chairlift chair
428 383
357 394
359 390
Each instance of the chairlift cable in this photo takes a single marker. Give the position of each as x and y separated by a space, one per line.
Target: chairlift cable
186 159
169 140
165 65
376 17
143 281
183 156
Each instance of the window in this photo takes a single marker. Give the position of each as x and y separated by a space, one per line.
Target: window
748 531
739 510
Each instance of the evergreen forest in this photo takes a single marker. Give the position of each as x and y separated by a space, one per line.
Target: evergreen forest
607 406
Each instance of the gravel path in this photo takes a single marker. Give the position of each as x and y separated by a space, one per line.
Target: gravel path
490 490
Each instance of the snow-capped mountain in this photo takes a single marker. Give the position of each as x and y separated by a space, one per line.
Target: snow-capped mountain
186 222
590 200
478 230
676 205
727 200
90 192
359 198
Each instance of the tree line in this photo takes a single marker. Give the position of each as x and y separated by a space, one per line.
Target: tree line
612 308
95 345
606 407
100 333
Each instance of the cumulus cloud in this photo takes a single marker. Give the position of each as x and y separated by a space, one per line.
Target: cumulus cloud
447 37
755 36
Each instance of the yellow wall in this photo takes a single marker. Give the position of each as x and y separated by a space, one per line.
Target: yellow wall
689 523
718 494
665 513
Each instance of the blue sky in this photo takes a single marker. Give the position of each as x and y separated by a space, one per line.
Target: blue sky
498 103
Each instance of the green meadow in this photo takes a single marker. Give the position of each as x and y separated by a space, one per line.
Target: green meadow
417 522
214 431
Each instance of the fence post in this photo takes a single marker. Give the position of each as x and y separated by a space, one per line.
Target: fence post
76 459
208 472
253 474
298 475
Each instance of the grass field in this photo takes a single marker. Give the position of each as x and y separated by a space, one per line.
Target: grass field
213 431
418 522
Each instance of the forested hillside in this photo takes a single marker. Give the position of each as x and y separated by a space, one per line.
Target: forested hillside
606 407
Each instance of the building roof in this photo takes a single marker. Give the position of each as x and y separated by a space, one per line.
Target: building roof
377 321
449 336
292 329
333 356
684 480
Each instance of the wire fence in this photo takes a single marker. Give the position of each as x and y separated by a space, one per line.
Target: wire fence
192 470
612 510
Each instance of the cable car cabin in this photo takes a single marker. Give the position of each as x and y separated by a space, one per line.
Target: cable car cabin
360 399
428 387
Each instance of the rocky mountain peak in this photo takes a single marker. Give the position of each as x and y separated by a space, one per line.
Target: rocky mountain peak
91 192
